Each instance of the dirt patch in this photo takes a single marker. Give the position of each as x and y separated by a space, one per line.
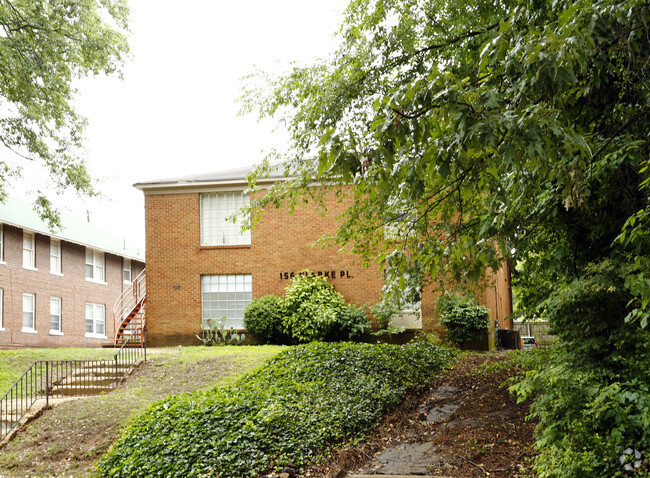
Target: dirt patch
68 439
465 425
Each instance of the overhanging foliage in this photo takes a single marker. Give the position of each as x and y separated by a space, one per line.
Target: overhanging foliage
488 129
44 47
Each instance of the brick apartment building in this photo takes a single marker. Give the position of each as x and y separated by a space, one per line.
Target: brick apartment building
200 266
58 289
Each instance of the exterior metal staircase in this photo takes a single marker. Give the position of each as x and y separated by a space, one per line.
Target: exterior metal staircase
129 313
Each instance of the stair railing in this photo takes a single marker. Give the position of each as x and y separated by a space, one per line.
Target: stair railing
128 300
47 379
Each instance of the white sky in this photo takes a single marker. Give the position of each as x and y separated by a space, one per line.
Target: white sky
174 113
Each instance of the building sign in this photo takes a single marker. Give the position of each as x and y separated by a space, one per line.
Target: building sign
329 274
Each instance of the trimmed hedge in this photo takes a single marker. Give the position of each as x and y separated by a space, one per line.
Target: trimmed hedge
296 407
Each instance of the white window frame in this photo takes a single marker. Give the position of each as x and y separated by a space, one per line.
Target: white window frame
55 257
216 229
126 269
31 300
226 295
56 312
95 321
2 315
96 261
31 257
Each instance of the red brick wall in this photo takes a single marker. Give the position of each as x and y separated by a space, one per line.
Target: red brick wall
72 287
279 243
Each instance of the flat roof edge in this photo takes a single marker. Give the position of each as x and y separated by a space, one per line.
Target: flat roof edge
201 184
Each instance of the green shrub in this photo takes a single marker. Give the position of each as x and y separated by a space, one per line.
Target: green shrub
352 324
591 390
263 318
384 313
314 311
295 409
463 317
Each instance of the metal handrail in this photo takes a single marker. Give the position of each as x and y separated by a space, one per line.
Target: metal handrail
128 300
46 379
129 354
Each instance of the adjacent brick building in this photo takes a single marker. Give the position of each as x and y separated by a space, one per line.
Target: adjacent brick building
58 289
200 266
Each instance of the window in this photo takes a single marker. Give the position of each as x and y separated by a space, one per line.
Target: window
95 265
398 227
126 271
55 256
28 313
29 249
409 302
2 297
2 243
55 314
95 320
216 229
226 296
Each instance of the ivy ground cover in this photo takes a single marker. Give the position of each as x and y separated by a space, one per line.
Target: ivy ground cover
294 409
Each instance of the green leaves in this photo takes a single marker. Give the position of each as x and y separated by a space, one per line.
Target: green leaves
315 311
508 129
294 409
463 317
311 310
44 47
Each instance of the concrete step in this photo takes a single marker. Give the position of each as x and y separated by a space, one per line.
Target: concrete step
103 372
97 366
81 391
81 383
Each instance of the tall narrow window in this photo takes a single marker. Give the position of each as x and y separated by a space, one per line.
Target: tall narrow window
216 228
2 243
29 250
226 296
95 265
55 256
126 271
55 314
28 312
95 320
2 301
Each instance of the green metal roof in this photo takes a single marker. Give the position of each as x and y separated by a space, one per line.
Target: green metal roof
19 213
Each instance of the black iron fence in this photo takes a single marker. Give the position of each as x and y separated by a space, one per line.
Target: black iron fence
48 379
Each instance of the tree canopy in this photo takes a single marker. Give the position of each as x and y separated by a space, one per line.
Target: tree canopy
44 46
480 130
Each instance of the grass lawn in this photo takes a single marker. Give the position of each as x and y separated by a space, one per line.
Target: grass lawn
69 439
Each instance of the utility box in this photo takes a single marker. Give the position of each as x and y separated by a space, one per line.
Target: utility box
509 339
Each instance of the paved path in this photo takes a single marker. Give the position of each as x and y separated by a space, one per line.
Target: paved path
415 459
